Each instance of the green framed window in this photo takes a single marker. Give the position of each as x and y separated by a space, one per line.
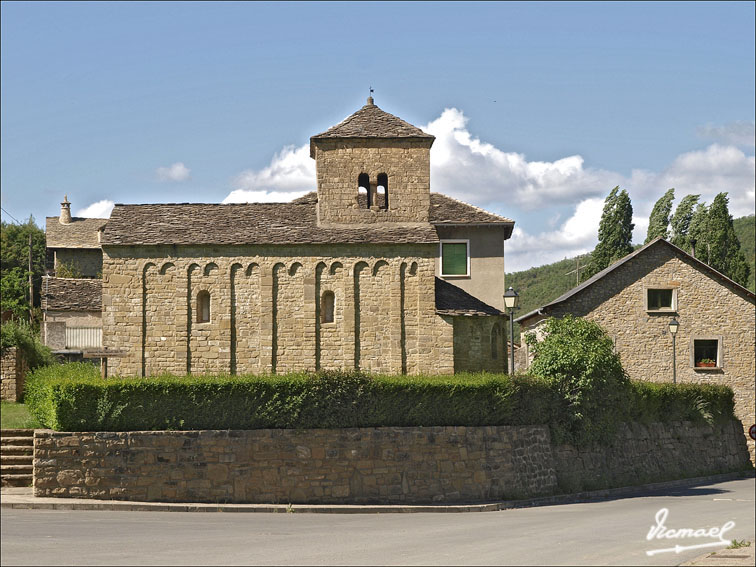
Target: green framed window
455 258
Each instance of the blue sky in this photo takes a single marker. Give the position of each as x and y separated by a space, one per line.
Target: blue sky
539 109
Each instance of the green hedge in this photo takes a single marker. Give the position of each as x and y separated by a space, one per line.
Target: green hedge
73 397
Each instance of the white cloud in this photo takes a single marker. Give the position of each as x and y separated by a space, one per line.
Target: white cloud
577 235
244 196
735 133
98 210
706 172
465 167
290 170
176 172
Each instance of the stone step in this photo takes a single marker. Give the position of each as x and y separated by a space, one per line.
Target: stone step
17 450
17 441
25 459
16 433
16 480
15 469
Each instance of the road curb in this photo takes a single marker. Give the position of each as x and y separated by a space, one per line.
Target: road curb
26 501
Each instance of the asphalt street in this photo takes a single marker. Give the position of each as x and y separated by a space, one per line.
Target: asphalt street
611 532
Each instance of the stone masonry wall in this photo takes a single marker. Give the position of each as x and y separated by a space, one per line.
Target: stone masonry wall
265 309
13 369
705 309
339 164
383 465
480 344
656 452
371 465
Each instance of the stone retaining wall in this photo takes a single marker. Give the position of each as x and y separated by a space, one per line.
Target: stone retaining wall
370 465
389 465
656 452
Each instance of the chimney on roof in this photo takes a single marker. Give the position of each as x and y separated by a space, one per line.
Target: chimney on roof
65 211
693 247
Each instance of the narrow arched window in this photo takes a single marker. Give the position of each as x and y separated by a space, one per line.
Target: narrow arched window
363 185
383 193
495 341
326 307
203 307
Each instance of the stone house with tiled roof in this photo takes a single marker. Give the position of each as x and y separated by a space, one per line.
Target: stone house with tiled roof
635 298
371 271
71 307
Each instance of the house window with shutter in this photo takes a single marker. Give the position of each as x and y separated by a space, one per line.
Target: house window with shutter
455 258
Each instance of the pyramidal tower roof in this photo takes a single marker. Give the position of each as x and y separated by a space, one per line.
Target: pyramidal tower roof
372 122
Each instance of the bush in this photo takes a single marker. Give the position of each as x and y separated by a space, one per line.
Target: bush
73 397
577 358
21 335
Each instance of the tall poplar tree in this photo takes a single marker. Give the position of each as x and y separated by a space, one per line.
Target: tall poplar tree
615 232
658 222
697 232
724 253
680 221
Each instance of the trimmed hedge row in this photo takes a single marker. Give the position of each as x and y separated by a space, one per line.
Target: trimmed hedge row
73 397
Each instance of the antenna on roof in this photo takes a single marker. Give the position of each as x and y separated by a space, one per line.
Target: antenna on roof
370 97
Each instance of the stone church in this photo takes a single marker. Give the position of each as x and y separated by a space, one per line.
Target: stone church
372 271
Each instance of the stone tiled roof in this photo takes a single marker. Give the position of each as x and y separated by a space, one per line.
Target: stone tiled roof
656 242
443 210
79 233
69 294
372 122
249 223
451 300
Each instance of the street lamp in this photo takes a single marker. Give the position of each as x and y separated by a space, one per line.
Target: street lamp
511 302
673 326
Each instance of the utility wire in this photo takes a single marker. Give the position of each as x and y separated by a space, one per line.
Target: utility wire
11 216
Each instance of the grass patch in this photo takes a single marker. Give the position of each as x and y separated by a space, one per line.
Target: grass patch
16 416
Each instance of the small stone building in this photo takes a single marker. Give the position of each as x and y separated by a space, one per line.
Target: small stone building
635 298
72 305
371 271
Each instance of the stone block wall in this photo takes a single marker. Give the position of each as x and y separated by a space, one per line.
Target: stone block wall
652 453
705 308
369 465
339 164
480 344
265 309
13 369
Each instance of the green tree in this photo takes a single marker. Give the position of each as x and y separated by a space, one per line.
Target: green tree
14 252
578 358
697 232
724 253
615 232
658 222
681 221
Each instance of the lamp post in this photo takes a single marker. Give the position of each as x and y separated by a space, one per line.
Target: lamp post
511 302
673 326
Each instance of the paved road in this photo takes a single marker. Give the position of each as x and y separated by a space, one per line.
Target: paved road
600 533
